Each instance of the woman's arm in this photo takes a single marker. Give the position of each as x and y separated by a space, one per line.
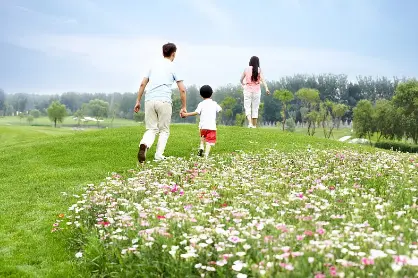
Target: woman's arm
263 81
242 78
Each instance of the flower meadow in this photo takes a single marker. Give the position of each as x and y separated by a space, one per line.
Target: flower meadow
310 213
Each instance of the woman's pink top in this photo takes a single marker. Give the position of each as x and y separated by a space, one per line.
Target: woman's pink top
251 86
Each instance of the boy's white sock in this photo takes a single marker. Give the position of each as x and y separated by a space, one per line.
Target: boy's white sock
207 150
202 146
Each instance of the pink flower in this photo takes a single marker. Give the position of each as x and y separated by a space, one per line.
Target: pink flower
299 237
287 266
104 223
333 271
320 231
268 239
188 207
367 261
320 275
308 233
226 256
402 260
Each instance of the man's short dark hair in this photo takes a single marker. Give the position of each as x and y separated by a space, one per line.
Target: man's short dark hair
169 49
206 91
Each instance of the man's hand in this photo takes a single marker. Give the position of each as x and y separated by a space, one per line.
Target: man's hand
137 107
268 92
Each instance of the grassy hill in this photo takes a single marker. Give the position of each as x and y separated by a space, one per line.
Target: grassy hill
38 164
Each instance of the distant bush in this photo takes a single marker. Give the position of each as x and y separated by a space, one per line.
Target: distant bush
397 146
290 125
240 119
139 117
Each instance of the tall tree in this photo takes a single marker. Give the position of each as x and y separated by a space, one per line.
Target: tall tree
406 100
2 102
35 113
388 121
285 96
98 109
310 100
363 121
57 112
227 113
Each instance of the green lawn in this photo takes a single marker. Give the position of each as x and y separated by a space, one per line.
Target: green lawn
37 164
68 121
14 135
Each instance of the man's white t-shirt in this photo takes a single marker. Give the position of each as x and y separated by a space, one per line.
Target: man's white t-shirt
207 110
161 77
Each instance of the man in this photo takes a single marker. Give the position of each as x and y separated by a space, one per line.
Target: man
158 103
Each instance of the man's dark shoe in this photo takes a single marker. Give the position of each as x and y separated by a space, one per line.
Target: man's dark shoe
200 152
142 153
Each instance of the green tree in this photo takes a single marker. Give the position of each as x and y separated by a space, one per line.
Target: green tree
30 119
291 125
98 109
406 102
363 120
338 112
21 115
285 96
383 119
35 113
310 100
325 117
227 113
2 102
79 114
57 112
240 119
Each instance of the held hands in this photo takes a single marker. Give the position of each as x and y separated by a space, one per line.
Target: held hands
183 112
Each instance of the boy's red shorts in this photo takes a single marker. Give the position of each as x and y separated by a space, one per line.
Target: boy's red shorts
209 135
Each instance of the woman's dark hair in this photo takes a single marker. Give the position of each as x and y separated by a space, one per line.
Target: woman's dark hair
206 91
255 63
168 49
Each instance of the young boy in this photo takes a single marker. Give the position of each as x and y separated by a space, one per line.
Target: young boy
207 110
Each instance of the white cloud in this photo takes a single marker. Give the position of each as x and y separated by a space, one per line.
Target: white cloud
120 61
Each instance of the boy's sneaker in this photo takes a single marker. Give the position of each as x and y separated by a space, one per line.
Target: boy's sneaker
142 153
250 126
200 153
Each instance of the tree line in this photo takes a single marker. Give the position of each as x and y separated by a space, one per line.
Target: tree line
391 119
314 96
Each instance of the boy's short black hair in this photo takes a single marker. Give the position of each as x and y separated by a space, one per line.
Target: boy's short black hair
168 49
206 91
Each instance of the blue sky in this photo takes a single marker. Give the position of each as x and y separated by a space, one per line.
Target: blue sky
49 46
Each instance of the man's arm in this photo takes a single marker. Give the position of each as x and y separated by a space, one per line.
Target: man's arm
140 93
182 90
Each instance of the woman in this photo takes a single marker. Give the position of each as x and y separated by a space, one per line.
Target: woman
251 79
